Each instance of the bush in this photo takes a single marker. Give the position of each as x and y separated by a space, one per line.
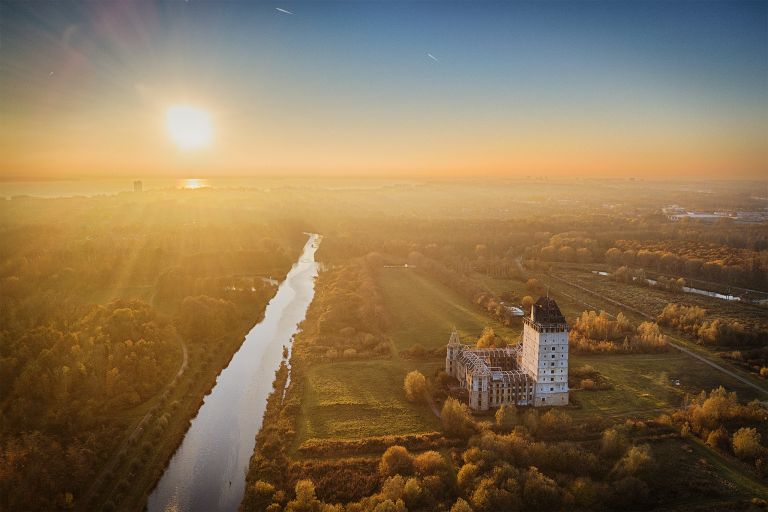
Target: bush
746 443
396 461
456 418
506 417
415 386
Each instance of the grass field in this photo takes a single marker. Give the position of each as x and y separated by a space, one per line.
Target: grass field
361 399
692 475
351 399
645 383
424 311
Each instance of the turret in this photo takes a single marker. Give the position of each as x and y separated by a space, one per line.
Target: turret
452 353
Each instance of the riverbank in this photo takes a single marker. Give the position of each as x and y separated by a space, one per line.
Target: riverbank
208 468
142 463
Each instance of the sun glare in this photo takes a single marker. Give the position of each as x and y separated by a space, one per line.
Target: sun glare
188 126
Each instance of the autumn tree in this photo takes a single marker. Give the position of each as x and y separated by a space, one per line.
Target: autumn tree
396 460
456 418
415 385
506 417
746 443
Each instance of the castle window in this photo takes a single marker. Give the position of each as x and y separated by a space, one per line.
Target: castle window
551 389
553 356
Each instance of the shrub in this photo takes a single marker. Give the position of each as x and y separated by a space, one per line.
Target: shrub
746 443
415 386
396 461
456 418
506 417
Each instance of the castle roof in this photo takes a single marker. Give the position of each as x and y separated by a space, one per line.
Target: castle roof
545 311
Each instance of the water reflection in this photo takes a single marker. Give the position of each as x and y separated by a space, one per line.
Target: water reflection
207 472
193 183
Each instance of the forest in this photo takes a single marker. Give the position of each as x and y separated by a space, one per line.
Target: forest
100 298
117 307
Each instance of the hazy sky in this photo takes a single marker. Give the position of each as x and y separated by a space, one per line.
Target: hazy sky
655 89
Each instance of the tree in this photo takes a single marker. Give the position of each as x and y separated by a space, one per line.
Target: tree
612 443
467 474
614 256
636 461
456 418
259 495
305 498
585 492
746 443
540 492
461 506
487 338
527 302
533 286
415 385
718 439
430 463
396 461
506 417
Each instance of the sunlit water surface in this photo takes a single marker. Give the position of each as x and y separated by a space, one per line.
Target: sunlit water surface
207 472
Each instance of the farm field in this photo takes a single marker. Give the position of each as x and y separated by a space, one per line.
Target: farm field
653 301
643 383
357 399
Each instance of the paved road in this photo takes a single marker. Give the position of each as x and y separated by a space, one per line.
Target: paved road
718 367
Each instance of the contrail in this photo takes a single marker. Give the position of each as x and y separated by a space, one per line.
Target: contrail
432 57
283 10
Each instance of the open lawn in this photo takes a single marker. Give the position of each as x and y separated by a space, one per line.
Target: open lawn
362 399
694 476
424 311
645 383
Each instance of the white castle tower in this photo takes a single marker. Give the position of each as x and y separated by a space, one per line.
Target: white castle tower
545 352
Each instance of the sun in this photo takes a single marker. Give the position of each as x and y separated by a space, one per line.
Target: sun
189 127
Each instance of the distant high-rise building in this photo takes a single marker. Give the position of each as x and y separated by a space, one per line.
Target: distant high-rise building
137 186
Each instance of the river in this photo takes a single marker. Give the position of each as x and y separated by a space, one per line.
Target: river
207 472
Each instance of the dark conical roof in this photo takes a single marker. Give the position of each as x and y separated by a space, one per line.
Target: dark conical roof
545 311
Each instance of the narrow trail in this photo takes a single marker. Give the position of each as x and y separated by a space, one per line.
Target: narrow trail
431 403
136 432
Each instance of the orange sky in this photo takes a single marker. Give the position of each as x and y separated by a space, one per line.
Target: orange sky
352 91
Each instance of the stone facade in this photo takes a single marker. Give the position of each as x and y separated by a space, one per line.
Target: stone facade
534 372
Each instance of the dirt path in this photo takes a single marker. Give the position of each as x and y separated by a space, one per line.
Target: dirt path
86 499
431 403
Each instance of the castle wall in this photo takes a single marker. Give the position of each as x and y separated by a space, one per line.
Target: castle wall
494 377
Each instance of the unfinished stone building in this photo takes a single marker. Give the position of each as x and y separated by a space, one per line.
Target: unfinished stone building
533 372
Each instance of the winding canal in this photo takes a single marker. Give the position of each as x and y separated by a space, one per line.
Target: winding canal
207 472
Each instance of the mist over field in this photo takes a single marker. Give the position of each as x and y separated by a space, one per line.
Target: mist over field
383 256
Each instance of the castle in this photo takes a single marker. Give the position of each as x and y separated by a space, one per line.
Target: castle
534 372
